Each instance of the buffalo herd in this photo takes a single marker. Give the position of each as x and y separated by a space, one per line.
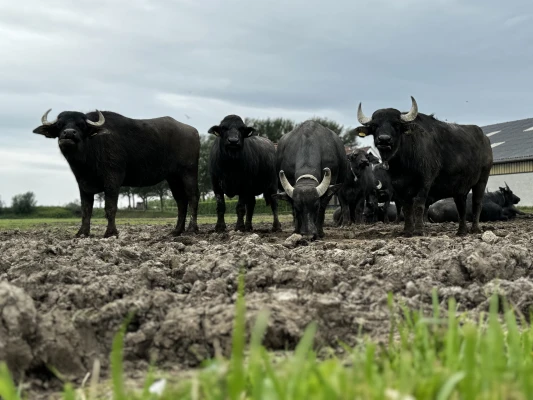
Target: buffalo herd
429 170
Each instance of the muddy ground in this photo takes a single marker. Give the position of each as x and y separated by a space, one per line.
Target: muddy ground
62 299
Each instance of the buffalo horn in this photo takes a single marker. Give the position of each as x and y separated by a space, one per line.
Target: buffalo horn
361 117
285 183
100 122
324 185
411 115
44 119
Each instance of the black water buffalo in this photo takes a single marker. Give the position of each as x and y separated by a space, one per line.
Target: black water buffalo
384 189
106 150
242 164
366 187
428 158
496 206
303 155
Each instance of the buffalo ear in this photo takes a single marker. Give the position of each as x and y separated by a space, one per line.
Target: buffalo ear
50 131
362 131
281 196
249 131
332 189
215 130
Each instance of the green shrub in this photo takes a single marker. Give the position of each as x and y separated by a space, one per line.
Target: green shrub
24 204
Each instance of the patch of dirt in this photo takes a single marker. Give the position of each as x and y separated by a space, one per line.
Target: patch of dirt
63 299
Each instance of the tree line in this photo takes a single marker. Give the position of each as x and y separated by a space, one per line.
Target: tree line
271 128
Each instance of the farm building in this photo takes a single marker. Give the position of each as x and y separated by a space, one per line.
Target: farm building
512 147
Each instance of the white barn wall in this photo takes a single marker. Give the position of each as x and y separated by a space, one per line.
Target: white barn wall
520 184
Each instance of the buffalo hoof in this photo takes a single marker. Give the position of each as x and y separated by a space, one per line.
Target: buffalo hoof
407 234
220 228
475 230
248 228
175 232
419 233
276 227
240 228
111 232
83 232
461 232
192 228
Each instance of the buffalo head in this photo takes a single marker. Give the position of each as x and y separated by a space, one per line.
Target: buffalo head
232 132
71 128
307 199
358 161
387 126
509 196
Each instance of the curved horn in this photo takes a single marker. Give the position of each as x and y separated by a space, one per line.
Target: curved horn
100 122
44 119
361 117
285 183
324 185
379 185
411 115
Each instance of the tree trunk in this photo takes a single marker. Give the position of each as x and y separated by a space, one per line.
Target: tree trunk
129 200
161 199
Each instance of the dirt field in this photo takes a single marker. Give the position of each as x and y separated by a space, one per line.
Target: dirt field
62 299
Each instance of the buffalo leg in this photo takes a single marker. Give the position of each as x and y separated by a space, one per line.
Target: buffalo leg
250 206
409 226
111 200
345 219
460 203
386 211
419 205
359 208
477 199
241 211
190 185
276 226
87 201
178 192
221 208
320 222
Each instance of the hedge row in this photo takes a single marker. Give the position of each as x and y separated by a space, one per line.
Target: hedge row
204 208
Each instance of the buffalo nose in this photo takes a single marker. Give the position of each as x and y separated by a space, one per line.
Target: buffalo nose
69 133
384 138
233 140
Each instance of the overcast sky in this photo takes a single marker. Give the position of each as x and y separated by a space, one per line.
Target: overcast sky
466 61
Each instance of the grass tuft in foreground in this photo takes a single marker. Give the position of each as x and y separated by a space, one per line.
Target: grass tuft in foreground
426 358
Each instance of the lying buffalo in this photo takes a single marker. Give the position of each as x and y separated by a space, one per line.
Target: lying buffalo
106 150
496 206
311 161
243 165
430 159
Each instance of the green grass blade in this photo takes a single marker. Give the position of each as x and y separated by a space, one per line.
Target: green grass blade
8 390
117 367
236 377
450 385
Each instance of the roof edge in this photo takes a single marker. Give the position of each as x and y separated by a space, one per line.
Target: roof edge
515 159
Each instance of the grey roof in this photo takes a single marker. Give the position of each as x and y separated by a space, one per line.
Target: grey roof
511 141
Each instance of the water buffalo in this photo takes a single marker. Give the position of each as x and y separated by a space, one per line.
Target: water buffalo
496 206
366 186
242 164
106 150
303 155
430 159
